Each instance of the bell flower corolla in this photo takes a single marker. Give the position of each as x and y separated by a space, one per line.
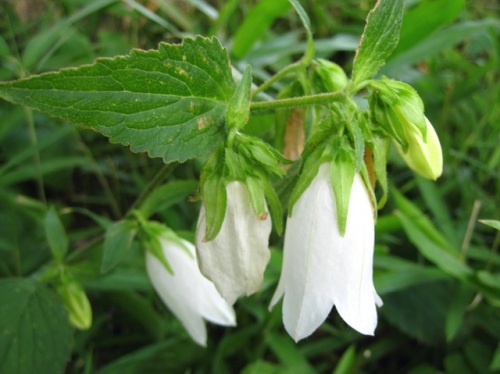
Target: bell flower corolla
187 293
236 258
322 268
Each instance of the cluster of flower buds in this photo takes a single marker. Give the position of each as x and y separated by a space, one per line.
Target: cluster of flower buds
329 237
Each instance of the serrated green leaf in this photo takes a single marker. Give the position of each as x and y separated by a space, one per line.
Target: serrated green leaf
35 335
379 39
168 102
56 235
117 241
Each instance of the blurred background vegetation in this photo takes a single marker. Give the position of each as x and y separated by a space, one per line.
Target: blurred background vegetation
437 267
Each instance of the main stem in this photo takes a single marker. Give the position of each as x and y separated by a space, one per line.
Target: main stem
324 98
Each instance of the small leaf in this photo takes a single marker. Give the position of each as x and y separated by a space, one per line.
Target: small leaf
56 235
167 195
117 241
379 39
168 102
306 22
491 223
35 335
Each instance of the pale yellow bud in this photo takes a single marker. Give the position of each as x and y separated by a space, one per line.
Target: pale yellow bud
424 156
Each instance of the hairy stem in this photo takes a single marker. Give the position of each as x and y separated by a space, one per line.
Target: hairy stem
323 98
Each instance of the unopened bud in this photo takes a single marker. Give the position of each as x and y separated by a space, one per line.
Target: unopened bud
424 156
399 111
76 303
330 75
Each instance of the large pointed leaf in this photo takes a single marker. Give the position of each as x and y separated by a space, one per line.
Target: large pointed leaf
35 335
380 37
168 102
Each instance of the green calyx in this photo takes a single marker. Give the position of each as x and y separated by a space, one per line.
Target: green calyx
340 144
251 161
150 233
398 109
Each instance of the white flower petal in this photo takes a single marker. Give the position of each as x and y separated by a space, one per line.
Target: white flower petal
187 293
236 258
322 268
306 276
354 294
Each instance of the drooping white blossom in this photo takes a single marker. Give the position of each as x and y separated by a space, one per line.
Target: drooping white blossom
236 258
321 268
187 292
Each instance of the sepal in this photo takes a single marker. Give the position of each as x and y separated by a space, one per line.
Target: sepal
238 111
342 171
396 108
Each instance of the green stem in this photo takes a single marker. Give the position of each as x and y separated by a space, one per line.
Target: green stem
279 75
323 98
115 208
165 170
38 167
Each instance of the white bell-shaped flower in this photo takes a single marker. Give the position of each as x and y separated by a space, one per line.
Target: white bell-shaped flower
236 258
322 268
187 293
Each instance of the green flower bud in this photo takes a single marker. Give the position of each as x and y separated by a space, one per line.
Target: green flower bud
424 156
399 111
329 76
76 302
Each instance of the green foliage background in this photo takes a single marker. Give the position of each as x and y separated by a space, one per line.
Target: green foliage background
436 266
